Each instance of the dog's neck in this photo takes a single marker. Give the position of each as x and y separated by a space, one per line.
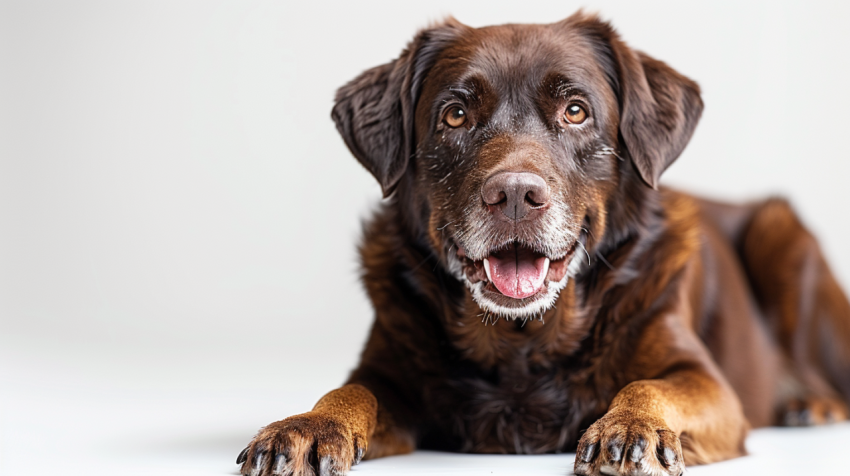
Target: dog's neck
491 340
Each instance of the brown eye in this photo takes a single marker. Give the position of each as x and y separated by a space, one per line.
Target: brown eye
455 117
575 114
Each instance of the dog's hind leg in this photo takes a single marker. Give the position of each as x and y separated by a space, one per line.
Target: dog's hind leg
806 310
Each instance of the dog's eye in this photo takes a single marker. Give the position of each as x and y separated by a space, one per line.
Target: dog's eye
455 117
575 114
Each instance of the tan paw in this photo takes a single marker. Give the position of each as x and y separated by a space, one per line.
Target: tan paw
813 411
308 444
629 443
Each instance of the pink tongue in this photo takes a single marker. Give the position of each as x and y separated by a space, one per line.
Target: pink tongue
517 272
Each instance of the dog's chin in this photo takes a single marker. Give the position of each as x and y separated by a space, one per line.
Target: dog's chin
491 300
514 281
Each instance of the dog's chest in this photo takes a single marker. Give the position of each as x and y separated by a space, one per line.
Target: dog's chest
514 408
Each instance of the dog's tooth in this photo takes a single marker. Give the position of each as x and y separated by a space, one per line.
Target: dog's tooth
546 267
487 269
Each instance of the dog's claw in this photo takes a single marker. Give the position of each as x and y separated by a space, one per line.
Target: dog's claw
325 466
668 456
587 454
279 463
637 449
243 455
258 464
615 449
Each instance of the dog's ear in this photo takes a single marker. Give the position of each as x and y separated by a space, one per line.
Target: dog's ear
659 111
659 108
374 112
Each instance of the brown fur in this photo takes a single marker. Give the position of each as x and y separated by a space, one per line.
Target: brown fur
690 322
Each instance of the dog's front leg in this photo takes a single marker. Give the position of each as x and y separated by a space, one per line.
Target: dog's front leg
687 414
325 441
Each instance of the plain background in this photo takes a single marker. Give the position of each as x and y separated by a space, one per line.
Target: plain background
179 218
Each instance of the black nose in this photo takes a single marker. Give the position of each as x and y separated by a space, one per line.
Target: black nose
515 193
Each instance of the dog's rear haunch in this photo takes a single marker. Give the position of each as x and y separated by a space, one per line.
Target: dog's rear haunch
536 290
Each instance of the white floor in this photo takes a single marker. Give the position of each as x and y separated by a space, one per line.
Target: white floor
135 413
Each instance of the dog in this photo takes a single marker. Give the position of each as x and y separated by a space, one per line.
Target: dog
536 290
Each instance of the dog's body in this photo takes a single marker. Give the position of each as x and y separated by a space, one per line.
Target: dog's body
531 281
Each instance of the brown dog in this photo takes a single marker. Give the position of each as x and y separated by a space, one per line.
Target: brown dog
534 289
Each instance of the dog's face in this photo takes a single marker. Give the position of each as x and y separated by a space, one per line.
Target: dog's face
511 145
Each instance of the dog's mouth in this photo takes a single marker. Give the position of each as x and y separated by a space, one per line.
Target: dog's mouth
516 270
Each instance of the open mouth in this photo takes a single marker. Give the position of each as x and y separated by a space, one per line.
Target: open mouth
516 271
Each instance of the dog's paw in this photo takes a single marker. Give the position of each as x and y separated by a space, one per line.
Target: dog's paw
813 411
629 443
308 444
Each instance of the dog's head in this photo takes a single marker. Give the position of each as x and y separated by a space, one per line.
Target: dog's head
511 146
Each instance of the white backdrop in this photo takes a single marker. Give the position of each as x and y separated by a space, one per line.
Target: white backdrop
171 276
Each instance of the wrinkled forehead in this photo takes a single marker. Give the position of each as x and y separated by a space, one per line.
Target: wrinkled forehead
514 65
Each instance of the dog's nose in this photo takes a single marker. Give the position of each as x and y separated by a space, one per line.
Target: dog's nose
515 193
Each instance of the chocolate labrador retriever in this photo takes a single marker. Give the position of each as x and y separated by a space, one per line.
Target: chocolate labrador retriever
536 290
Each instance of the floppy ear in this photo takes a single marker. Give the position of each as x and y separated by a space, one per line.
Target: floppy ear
374 112
659 110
